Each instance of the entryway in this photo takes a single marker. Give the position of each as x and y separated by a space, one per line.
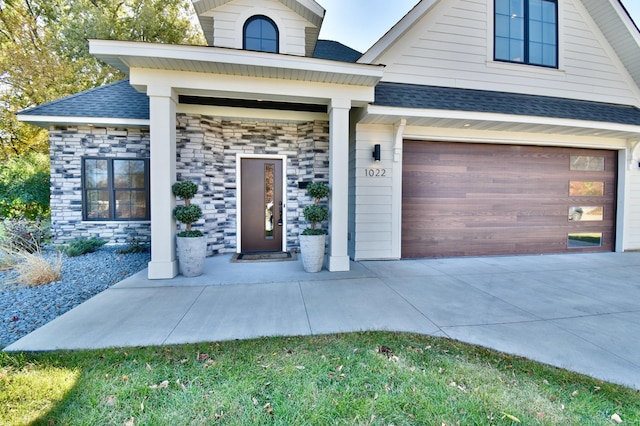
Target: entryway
262 218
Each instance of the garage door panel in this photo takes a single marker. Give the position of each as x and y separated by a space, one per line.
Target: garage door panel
471 199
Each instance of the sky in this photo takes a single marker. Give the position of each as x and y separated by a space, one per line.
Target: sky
360 23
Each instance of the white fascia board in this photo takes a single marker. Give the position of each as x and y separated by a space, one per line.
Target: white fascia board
117 53
468 116
47 120
397 31
313 6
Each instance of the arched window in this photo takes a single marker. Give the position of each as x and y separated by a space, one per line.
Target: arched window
261 34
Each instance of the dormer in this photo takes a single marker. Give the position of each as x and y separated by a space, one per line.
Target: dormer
279 26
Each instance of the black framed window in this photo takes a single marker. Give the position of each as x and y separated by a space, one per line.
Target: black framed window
261 34
115 189
526 31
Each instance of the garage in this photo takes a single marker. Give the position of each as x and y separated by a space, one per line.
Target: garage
464 199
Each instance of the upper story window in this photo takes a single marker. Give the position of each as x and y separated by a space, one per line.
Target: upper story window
526 31
261 34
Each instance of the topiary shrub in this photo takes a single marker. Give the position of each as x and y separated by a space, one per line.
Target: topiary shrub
189 213
315 213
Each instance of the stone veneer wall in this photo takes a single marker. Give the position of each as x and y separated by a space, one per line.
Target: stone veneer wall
207 148
67 147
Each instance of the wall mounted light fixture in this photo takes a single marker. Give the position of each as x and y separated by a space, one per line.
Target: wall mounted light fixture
376 152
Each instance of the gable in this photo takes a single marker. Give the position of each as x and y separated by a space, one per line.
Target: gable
298 22
449 43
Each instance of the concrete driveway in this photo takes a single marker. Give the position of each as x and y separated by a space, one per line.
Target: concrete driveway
580 312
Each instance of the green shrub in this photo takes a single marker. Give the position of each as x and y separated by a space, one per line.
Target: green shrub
24 235
185 190
24 186
134 246
188 213
83 246
316 213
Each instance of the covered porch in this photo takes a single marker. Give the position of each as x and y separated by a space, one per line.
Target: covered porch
245 84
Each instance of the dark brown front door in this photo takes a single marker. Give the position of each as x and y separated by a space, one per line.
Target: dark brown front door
261 204
472 200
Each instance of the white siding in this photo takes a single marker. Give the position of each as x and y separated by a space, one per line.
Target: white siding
373 229
632 209
452 45
229 23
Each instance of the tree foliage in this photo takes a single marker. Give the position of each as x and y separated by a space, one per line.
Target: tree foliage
24 186
44 53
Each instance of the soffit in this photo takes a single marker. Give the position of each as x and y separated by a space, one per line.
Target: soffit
476 122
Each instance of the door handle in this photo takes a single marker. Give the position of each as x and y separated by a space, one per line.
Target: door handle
280 219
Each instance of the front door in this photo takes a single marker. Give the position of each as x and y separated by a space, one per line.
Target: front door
261 204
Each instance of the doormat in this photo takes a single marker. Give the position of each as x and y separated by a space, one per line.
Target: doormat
263 257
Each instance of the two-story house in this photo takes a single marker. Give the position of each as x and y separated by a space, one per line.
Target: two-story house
473 127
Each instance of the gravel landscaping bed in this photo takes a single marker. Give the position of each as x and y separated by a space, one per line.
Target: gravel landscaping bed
23 309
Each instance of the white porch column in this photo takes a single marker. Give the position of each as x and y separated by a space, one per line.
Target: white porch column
338 259
162 102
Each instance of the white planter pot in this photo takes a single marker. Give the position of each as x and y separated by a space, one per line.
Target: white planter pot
312 252
191 255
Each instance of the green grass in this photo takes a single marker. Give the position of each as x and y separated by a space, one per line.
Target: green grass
337 379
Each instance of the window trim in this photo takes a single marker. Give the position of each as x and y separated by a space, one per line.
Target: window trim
267 19
112 190
526 37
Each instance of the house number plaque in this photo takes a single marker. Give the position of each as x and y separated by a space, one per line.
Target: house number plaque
375 172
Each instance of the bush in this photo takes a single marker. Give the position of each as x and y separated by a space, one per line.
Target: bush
83 246
185 189
316 213
24 186
133 247
7 259
24 235
33 269
189 213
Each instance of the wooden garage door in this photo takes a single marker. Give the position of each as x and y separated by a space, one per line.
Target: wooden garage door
464 199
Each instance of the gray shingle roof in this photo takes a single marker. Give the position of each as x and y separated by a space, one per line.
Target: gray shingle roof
455 99
335 51
115 100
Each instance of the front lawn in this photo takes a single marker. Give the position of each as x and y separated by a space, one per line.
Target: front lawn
363 378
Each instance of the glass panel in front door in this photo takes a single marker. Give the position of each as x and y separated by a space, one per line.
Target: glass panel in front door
269 185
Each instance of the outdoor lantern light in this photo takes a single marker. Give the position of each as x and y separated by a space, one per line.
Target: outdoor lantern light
376 152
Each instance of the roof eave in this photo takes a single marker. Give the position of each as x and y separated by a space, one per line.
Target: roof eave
126 55
46 121
471 120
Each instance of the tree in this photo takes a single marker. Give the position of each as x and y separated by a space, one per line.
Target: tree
24 186
44 54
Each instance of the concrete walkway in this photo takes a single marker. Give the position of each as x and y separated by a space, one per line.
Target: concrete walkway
580 312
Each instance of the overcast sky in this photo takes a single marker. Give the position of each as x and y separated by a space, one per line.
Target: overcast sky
360 23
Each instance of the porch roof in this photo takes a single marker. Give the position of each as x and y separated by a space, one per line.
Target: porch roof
126 56
112 104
